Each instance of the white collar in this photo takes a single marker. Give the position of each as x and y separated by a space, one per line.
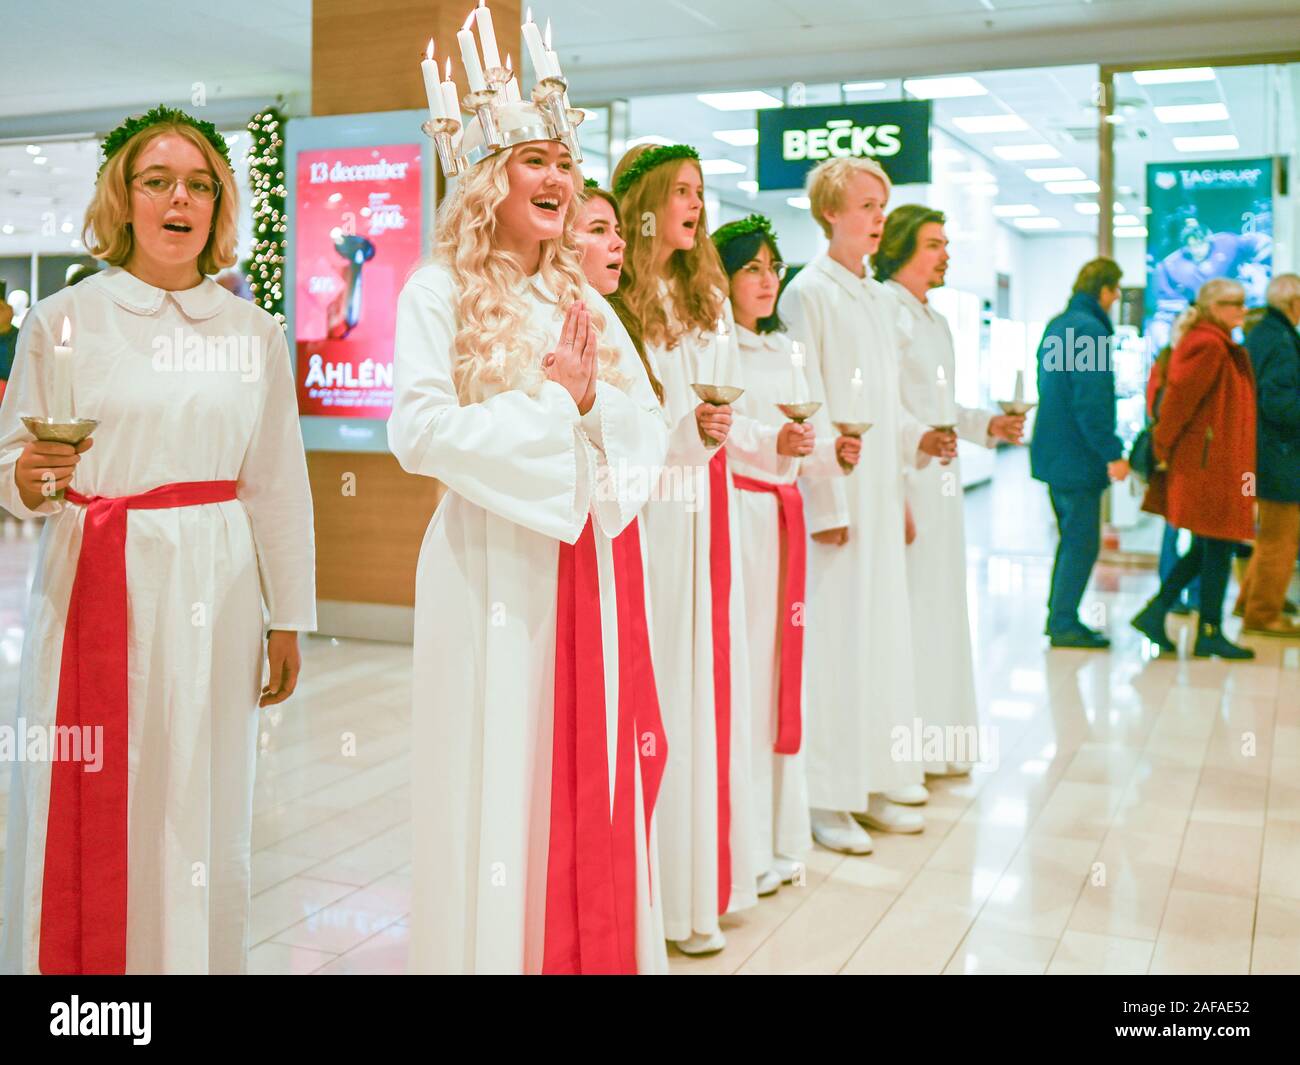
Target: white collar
202 301
539 287
910 298
842 275
751 341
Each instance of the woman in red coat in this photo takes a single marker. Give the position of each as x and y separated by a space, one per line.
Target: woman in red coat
1204 442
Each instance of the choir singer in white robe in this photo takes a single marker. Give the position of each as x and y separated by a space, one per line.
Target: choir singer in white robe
912 260
146 631
860 681
535 725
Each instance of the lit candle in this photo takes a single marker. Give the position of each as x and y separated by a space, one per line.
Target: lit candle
486 34
856 412
431 88
536 48
947 416
1020 386
61 395
450 101
512 86
798 382
721 354
552 60
469 56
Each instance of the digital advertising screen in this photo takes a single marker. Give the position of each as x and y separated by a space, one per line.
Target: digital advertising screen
357 219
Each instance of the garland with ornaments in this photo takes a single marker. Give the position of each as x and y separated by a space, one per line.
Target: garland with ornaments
265 269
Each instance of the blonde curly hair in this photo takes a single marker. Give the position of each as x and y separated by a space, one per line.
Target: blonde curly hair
496 349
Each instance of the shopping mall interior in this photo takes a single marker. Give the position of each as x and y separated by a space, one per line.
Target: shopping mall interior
1139 812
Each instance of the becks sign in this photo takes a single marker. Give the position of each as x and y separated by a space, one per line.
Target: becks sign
792 140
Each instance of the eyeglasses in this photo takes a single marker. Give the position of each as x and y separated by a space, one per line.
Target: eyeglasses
1230 303
159 183
758 269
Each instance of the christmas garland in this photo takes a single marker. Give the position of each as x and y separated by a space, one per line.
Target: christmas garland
114 142
265 270
754 223
647 161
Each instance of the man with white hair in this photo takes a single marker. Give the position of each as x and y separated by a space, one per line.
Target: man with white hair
1274 348
860 685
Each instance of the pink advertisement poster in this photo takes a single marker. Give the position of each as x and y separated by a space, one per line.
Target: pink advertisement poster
358 237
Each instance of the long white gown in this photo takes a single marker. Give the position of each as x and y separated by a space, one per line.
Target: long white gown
198 578
779 785
936 559
525 473
860 681
680 536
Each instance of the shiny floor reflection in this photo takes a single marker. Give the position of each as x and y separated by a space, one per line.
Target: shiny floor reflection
1142 815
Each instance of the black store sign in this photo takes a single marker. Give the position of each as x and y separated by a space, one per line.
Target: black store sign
792 140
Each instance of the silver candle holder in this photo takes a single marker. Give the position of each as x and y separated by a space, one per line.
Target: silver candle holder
799 412
551 95
717 396
1016 407
857 430
58 432
482 104
443 133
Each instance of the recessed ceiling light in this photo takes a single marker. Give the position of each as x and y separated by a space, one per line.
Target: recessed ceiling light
76 244
971 177
649 138
990 124
33 149
944 88
741 138
1135 231
1055 173
7 228
1020 153
66 227
1088 207
713 167
747 186
1015 210
1072 188
1176 113
39 160
1126 221
801 202
1225 142
1173 77
752 100
1045 222
948 155
862 86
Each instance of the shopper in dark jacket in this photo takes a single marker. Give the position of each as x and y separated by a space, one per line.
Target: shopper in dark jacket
1204 442
1075 449
1274 347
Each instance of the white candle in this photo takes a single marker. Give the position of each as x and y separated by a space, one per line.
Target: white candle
431 87
536 49
1020 386
947 415
450 101
721 354
856 412
486 34
469 56
61 394
512 86
552 60
798 382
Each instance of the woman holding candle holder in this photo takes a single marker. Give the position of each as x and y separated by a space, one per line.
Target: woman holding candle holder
769 515
673 283
912 260
145 633
535 723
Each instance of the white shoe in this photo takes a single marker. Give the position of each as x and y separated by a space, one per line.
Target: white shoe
911 795
699 943
837 831
787 868
769 883
885 816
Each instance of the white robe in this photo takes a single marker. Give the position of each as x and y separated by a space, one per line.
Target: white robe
193 685
521 472
780 785
859 669
936 559
681 599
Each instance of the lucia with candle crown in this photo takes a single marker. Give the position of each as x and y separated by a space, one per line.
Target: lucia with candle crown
153 577
674 284
859 690
912 261
535 720
770 520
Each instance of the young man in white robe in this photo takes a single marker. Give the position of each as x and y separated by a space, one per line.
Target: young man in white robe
861 688
913 260
178 562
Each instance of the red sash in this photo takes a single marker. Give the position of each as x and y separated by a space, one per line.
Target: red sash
720 587
83 896
591 864
794 551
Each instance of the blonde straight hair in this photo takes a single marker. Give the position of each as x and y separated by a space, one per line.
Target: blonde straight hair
827 181
697 284
107 230
496 349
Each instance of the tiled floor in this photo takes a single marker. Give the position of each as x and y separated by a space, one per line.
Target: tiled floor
1141 816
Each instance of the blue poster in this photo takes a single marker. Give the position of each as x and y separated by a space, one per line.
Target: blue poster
1207 220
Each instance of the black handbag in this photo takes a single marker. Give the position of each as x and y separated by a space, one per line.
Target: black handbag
1142 455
